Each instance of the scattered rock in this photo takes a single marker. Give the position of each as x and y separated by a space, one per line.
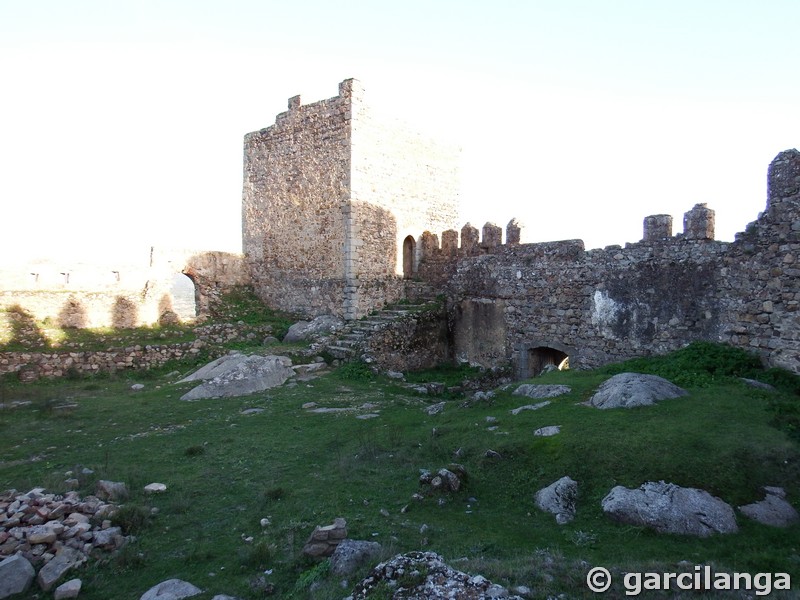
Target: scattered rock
516 411
434 409
111 490
16 575
366 416
773 510
481 396
323 540
669 508
110 538
758 384
628 390
248 375
171 589
559 498
69 589
269 340
425 575
445 480
65 559
252 411
541 391
492 454
304 330
155 488
548 431
351 554
395 375
137 387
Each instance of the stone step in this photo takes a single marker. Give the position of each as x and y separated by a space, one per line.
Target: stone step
348 343
353 336
341 352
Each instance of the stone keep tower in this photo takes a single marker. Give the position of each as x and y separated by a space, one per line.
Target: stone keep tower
335 201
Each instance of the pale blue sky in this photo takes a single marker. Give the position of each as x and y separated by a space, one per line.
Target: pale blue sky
121 123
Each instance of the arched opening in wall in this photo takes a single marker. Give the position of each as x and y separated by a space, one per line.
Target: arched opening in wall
409 247
184 297
543 359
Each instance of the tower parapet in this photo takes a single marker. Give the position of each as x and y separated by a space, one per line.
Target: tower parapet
698 223
657 227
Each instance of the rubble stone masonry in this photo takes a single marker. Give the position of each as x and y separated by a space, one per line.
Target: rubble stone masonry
333 199
525 304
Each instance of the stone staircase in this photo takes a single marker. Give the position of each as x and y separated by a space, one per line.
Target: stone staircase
349 341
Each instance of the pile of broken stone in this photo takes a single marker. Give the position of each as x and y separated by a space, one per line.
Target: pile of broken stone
53 534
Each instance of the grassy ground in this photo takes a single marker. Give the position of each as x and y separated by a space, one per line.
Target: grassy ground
225 471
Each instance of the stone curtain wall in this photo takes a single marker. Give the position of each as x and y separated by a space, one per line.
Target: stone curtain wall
760 277
118 295
330 192
646 298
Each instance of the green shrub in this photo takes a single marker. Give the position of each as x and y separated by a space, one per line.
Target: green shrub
132 518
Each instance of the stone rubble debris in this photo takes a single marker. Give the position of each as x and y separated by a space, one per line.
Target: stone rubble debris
53 534
417 575
324 539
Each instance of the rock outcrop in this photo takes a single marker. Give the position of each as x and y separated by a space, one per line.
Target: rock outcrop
240 375
171 589
559 499
628 390
669 508
531 390
351 554
305 330
773 510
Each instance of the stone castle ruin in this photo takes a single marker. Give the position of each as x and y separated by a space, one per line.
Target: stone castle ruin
345 212
339 215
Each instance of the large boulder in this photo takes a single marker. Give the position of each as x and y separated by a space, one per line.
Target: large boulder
628 390
16 575
669 508
304 330
351 554
171 589
249 375
559 499
66 559
215 368
773 510
425 575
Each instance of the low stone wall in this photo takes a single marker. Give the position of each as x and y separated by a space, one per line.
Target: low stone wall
33 365
59 363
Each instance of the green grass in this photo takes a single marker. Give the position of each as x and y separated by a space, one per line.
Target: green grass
225 471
